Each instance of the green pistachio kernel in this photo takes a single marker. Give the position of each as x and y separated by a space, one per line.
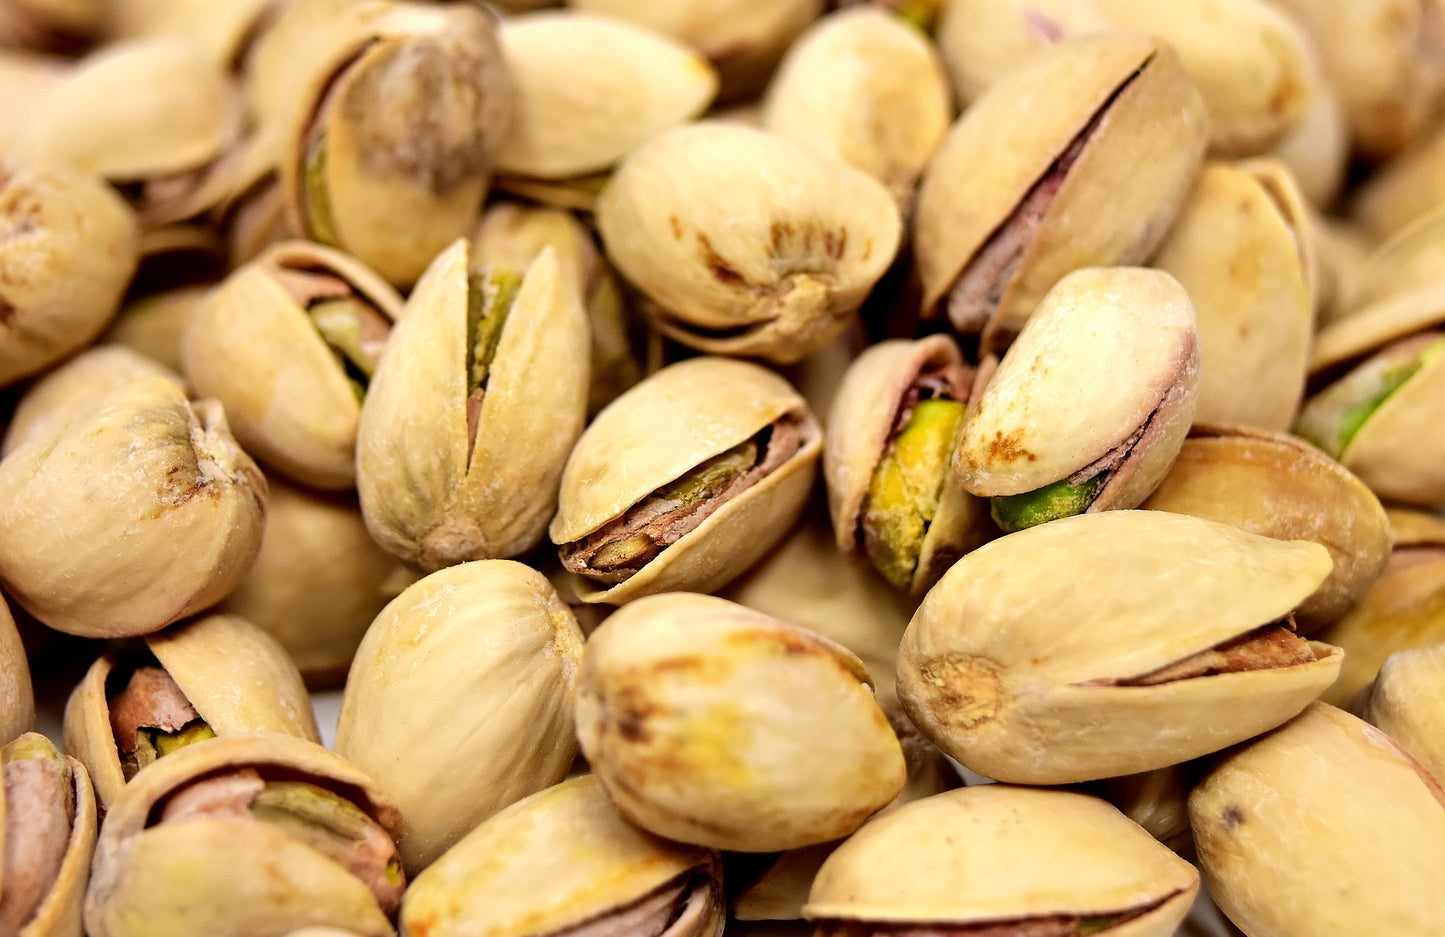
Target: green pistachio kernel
1333 418
325 821
489 300
341 322
1061 499
165 743
318 198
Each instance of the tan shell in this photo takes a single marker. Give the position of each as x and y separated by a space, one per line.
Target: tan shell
222 30
1276 485
866 87
1342 250
746 243
1405 188
73 221
17 695
1407 704
236 676
1109 351
1118 197
1409 259
1158 801
1275 870
178 517
227 877
52 23
706 722
428 495
1001 681
1317 148
590 89
459 702
982 41
630 450
567 836
26 83
994 852
1416 528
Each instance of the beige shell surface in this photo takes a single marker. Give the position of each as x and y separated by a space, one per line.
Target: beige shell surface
17 695
1405 189
1275 870
1416 528
154 325
747 243
1367 329
59 913
459 701
982 41
711 723
222 30
567 836
996 852
1409 258
1317 148
1107 349
1407 703
183 510
590 89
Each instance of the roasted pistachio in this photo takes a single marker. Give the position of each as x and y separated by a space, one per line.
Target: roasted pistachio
710 723
1409 259
17 695
644 509
226 32
1158 801
1317 148
982 41
1405 189
1177 642
1407 704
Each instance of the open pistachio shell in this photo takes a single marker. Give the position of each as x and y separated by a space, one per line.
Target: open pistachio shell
1278 486
232 676
17 695
710 723
1096 394
1080 158
643 509
599 872
744 242
164 867
177 514
1172 647
994 857
1278 872
48 821
1407 703
459 702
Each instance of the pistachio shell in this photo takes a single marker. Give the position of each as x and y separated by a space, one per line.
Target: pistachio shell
177 517
1409 259
568 836
1407 704
57 24
26 82
459 702
1277 872
1416 528
746 243
992 673
1405 188
982 41
223 31
1158 801
1342 249
995 853
738 731
17 696
1317 148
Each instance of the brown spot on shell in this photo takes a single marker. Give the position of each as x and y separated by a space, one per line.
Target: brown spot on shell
675 225
721 269
960 690
1232 817
7 312
1009 448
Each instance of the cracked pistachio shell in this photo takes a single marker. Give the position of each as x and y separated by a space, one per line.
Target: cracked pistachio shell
436 491
58 914
710 723
69 221
861 423
17 694
744 242
864 86
253 345
590 89
632 449
226 876
459 701
982 41
1277 871
238 679
174 517
1141 126
996 853
1277 485
1407 703
997 678
1110 353
594 864
1236 249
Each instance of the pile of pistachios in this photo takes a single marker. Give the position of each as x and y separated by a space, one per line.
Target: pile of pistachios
687 433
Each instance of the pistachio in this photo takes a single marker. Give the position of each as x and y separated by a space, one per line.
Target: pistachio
641 513
1090 405
1405 189
1405 703
1409 259
1178 643
1317 148
17 695
738 731
226 33
1158 801
1006 861
27 80
51 24
1343 250
1276 871
982 41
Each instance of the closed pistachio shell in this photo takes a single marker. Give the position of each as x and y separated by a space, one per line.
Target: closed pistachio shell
742 473
746 243
1000 855
1000 681
596 866
710 723
459 702
1406 703
17 695
178 517
1277 872
982 41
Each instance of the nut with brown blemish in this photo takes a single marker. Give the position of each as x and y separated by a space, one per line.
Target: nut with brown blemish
1407 703
710 723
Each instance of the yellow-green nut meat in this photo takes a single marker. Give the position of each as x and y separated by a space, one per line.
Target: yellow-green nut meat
685 480
1002 861
459 701
1278 871
562 862
1113 643
1090 405
1407 703
710 723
